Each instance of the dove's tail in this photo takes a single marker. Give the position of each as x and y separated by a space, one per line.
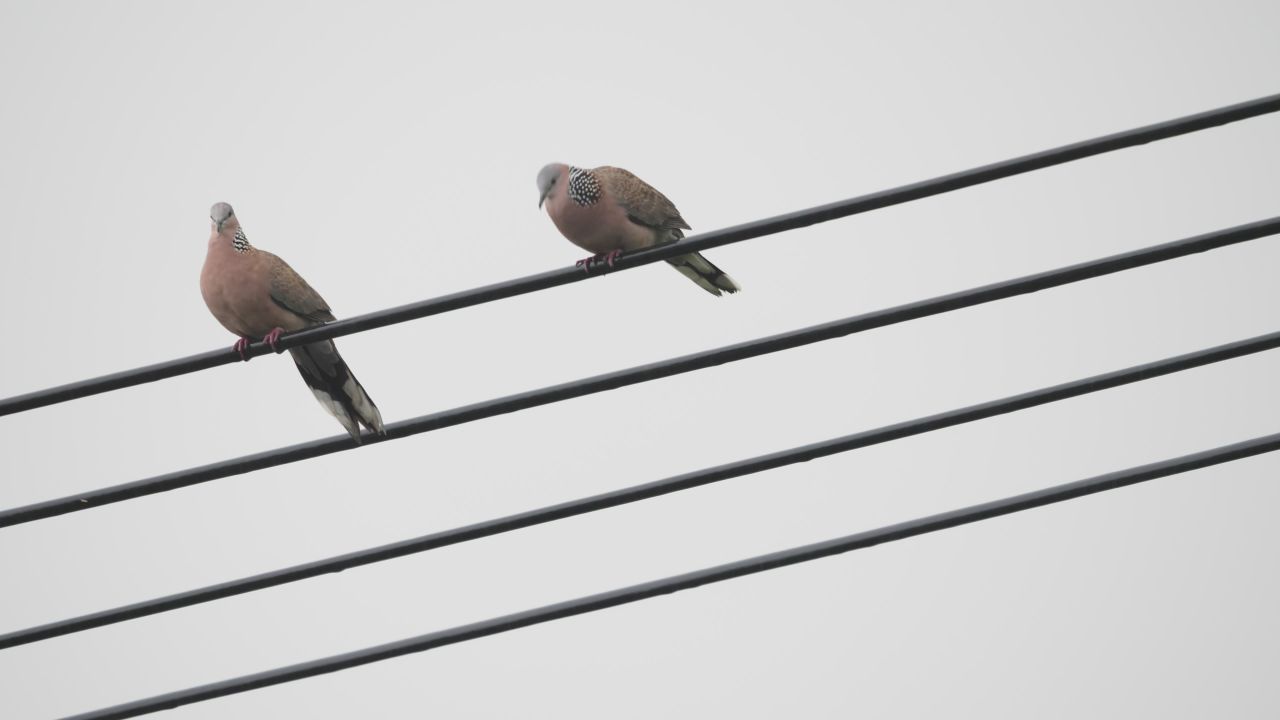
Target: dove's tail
702 271
336 387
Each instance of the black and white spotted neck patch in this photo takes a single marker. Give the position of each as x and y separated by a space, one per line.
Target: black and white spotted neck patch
240 243
584 188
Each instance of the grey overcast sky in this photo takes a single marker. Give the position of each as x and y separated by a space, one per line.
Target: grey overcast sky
388 151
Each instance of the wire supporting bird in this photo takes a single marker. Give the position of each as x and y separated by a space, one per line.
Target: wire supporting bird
608 211
255 294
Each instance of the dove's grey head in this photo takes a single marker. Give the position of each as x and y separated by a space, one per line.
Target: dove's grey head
220 213
548 176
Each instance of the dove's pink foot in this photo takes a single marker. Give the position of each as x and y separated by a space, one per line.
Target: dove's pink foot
241 345
271 338
608 258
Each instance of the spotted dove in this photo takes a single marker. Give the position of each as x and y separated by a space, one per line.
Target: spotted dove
608 211
256 294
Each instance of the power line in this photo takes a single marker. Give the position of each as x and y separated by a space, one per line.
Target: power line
645 373
718 573
645 491
704 241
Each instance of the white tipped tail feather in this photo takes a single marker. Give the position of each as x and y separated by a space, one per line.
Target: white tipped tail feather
703 272
337 389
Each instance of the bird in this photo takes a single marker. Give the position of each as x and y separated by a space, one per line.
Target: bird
253 293
608 211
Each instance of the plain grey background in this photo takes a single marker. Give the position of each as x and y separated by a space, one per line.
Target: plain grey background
388 152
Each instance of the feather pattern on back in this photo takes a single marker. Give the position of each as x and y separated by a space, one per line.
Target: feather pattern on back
642 202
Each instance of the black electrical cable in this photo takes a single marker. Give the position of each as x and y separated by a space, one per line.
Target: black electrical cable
644 373
665 586
704 241
685 481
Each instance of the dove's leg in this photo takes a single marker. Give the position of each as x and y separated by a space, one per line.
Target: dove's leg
607 258
272 337
241 345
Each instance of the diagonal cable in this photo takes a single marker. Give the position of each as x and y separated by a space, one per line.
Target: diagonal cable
665 586
645 373
635 493
704 241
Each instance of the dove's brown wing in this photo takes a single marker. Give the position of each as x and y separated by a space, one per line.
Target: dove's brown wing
644 205
323 369
291 292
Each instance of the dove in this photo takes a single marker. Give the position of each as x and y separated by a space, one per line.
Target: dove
608 211
255 294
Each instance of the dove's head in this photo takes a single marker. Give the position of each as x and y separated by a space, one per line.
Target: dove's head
221 214
548 177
